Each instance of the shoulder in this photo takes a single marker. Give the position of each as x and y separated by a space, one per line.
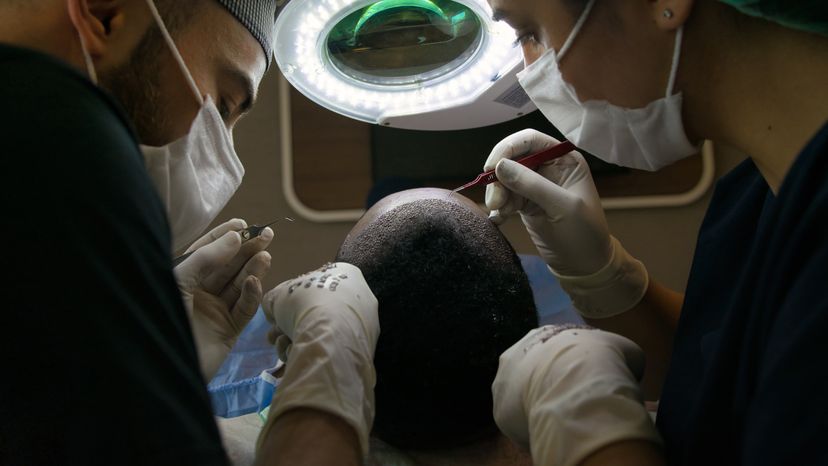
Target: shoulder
63 131
50 105
798 240
807 176
802 218
793 280
787 406
66 145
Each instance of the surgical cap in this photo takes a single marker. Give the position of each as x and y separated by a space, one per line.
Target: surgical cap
805 15
259 17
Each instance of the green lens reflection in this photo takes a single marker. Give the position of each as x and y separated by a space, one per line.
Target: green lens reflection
399 42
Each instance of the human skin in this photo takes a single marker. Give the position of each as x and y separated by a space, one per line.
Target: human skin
498 450
746 83
228 66
395 200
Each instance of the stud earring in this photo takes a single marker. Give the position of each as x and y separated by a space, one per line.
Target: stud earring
668 13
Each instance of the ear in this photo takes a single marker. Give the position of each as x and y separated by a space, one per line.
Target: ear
671 14
95 21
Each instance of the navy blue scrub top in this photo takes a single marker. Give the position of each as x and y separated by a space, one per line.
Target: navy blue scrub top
748 382
99 365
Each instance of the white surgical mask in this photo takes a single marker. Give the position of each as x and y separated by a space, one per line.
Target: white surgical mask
197 174
646 138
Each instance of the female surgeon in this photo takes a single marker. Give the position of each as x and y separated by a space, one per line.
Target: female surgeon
737 361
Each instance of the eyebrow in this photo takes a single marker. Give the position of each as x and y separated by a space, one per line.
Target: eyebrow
499 15
244 81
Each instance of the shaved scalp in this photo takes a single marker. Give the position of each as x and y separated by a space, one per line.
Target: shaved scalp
452 297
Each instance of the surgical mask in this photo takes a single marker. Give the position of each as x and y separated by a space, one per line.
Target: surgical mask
646 138
197 174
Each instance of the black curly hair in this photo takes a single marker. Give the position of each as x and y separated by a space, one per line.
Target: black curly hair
452 297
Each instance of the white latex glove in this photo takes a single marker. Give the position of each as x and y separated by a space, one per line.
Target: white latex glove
561 210
221 288
327 323
566 392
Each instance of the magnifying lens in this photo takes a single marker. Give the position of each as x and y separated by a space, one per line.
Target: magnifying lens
414 64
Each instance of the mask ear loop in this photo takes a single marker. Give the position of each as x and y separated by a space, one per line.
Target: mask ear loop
176 54
575 30
671 82
90 65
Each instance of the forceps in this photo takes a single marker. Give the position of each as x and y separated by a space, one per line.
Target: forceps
532 161
247 234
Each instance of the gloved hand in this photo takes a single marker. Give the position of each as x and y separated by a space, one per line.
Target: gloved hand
327 325
561 210
566 392
221 288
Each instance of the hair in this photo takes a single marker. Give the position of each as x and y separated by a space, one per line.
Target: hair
177 13
452 297
136 83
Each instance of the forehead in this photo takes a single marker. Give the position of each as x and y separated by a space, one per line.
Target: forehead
498 5
508 6
218 36
401 198
526 10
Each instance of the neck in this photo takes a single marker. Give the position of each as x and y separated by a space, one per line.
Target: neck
753 85
41 26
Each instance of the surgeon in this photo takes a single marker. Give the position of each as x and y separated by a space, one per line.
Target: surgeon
737 360
118 151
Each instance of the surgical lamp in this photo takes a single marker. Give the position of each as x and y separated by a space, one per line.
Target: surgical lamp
413 64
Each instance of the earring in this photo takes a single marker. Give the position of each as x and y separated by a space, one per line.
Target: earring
668 13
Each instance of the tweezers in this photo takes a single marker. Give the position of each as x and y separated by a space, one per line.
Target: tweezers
532 161
247 234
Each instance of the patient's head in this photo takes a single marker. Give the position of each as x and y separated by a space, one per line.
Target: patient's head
452 297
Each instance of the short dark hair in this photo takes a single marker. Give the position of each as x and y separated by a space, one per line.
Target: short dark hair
452 297
136 83
177 13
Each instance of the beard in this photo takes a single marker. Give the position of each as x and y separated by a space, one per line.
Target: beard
136 86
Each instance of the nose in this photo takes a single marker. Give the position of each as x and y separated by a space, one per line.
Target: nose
532 50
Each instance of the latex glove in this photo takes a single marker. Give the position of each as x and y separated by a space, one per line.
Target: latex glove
327 321
221 288
566 392
562 212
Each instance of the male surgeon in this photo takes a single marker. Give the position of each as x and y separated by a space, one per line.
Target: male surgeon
100 348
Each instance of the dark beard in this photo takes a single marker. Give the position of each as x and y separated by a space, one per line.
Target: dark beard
135 84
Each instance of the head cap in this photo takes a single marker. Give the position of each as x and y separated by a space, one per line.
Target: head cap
805 15
259 17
